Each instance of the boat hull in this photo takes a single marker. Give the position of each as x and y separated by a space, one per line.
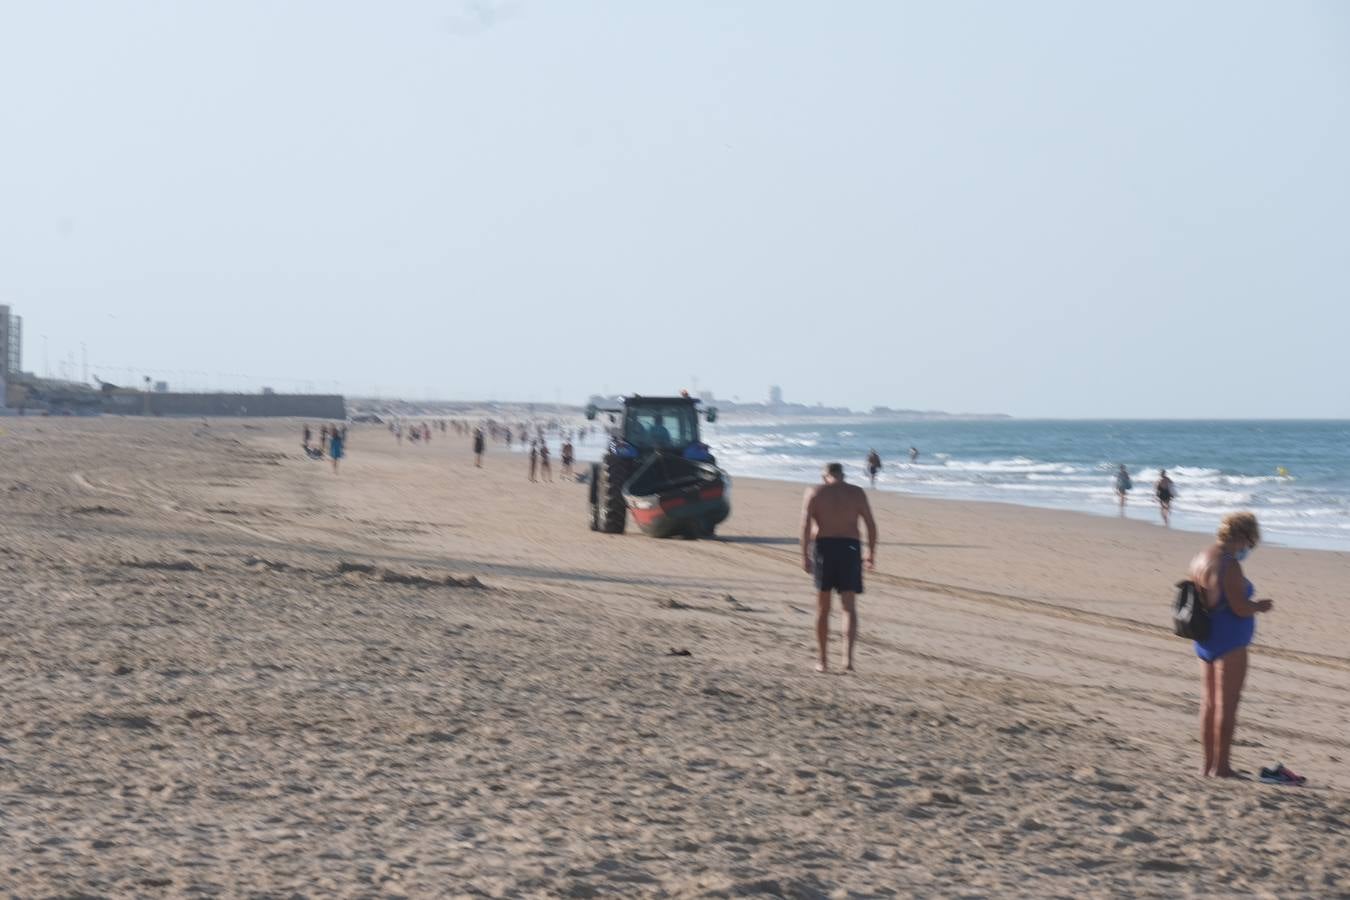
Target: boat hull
670 496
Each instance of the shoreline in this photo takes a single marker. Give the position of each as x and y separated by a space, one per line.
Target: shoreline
1183 522
1130 520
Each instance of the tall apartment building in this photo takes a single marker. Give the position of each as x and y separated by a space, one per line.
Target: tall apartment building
11 343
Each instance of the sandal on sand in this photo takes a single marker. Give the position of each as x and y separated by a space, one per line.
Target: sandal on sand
1278 774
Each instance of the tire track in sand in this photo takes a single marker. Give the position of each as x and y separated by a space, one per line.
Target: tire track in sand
1053 610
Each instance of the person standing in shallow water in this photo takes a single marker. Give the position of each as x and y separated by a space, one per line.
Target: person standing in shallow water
1123 486
1217 572
1165 490
873 465
832 552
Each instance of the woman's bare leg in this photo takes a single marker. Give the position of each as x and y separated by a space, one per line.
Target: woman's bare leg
1230 673
1209 700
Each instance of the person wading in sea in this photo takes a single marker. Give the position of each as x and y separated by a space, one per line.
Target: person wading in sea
832 552
1166 489
1123 487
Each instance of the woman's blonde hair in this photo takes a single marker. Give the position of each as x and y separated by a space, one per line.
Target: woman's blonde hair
1239 525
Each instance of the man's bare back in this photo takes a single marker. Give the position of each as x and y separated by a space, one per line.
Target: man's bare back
833 510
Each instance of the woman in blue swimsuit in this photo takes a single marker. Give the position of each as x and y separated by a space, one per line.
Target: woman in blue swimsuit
1223 655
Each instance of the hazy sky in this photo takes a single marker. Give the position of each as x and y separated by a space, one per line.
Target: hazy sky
1060 209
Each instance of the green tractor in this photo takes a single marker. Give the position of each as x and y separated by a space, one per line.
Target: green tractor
657 467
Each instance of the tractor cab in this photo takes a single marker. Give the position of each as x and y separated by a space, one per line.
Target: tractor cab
662 424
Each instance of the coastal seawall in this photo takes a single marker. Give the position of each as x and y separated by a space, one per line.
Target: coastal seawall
317 406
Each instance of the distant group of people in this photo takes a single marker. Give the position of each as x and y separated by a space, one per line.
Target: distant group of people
874 462
540 456
416 431
332 442
1164 489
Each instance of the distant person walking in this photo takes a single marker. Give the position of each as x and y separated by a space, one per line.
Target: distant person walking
545 472
568 454
534 459
337 445
1123 486
1165 490
478 444
308 436
832 552
873 465
1217 572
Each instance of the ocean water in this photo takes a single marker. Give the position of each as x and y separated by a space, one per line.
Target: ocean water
1218 466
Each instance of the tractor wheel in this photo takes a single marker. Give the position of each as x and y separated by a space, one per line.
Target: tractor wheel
593 505
612 512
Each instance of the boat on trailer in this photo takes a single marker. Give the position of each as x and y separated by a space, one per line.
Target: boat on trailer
670 495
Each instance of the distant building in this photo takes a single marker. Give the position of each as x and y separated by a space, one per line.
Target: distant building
11 343
775 396
161 387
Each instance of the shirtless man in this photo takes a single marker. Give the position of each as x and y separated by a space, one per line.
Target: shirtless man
830 515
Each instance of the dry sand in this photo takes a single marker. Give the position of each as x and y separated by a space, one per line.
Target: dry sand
225 671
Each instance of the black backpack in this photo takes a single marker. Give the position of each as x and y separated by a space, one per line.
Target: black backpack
1190 618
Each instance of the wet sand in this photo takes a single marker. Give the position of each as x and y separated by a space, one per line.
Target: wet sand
225 670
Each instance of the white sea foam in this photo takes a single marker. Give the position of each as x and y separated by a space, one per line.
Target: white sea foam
1204 493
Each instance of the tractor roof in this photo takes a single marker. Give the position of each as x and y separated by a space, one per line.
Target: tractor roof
639 400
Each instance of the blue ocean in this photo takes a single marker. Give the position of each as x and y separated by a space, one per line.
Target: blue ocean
1295 475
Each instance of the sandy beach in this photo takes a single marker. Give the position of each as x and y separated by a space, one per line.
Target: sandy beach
226 671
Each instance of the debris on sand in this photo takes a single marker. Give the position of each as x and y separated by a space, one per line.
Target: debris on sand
166 565
271 565
422 581
98 511
389 576
736 605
